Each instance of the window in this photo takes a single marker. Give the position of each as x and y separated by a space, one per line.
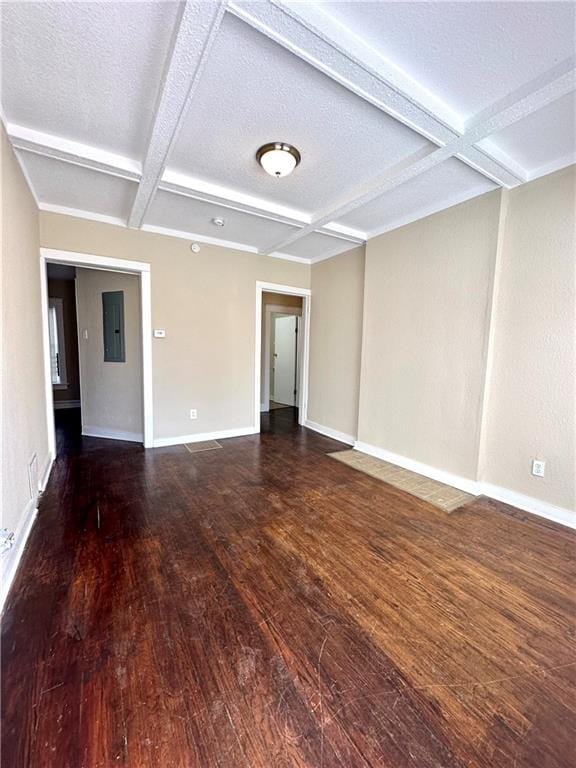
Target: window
57 343
113 324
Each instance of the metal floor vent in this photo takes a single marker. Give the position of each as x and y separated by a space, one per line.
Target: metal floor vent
207 445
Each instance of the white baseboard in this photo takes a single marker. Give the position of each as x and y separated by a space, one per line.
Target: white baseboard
10 560
456 481
264 408
329 432
61 404
475 487
112 434
45 476
530 504
163 442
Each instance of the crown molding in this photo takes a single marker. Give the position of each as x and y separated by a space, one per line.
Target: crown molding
84 155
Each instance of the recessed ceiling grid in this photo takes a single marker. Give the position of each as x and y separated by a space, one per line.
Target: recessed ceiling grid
382 143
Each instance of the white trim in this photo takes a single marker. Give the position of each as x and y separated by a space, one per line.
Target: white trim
10 559
188 186
552 167
287 257
65 150
264 408
475 488
456 481
271 309
112 434
140 268
80 214
26 175
60 405
45 475
191 236
92 261
222 434
48 391
530 504
329 432
195 33
291 290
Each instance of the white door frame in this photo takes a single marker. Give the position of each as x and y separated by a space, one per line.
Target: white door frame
277 309
91 261
291 290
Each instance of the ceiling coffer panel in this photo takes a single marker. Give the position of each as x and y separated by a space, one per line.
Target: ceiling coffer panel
88 72
542 138
445 185
187 215
468 55
80 189
263 93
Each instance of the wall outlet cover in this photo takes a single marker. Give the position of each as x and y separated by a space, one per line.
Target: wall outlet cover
538 468
193 413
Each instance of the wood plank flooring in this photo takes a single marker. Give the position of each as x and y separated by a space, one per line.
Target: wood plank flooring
264 606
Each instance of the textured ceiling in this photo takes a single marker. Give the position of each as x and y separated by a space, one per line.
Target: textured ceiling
149 114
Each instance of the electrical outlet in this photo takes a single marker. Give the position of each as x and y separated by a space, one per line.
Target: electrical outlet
538 468
193 413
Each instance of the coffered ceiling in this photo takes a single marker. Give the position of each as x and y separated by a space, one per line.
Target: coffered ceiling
149 115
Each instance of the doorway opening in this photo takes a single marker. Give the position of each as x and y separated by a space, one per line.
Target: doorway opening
97 348
282 351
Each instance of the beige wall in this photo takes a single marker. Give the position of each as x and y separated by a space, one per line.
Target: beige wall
206 304
64 289
111 392
428 290
336 341
531 402
24 431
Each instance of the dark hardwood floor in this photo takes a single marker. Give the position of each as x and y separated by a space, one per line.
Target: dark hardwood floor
266 606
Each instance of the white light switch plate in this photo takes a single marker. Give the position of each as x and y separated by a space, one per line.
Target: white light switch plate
159 333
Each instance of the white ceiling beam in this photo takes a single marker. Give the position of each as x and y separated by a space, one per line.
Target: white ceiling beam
195 34
198 189
310 33
102 161
558 82
83 155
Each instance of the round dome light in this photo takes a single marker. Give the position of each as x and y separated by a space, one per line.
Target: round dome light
278 159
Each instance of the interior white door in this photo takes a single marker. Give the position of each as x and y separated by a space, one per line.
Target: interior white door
284 365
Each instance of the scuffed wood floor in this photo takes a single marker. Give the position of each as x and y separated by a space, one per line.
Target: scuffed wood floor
264 606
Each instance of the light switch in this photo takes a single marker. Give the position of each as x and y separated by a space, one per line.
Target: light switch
159 333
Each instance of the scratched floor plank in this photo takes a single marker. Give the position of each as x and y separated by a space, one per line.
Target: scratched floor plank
262 606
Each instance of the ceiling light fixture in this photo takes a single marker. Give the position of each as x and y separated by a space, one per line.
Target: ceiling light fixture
218 222
278 158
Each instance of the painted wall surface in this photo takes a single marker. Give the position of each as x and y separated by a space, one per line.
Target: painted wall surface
531 399
111 392
427 299
65 290
336 341
206 304
24 431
